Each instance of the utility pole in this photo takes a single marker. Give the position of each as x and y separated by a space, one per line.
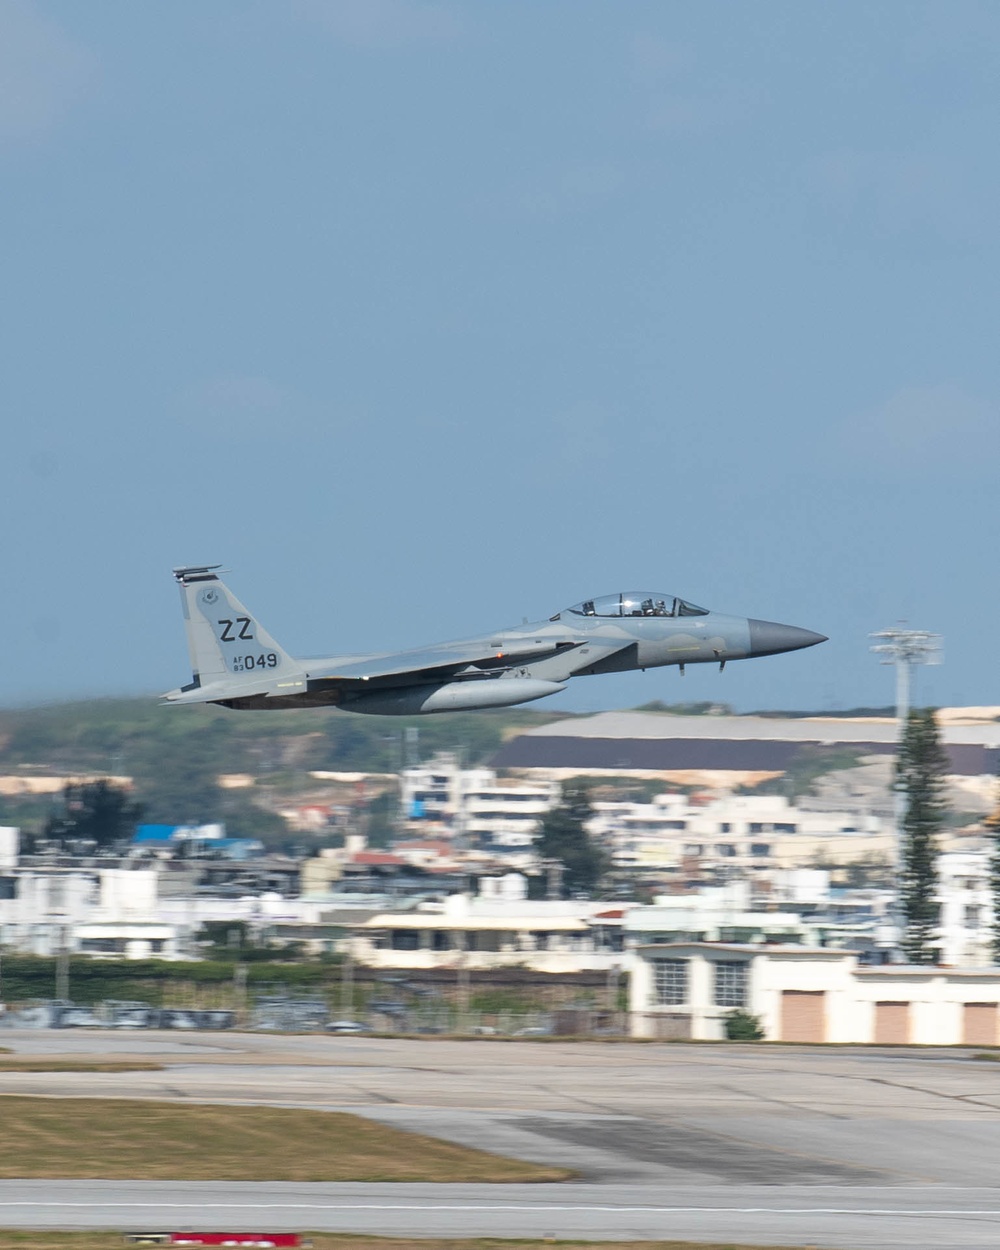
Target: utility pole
58 931
347 983
554 869
462 1013
903 648
241 993
62 967
611 994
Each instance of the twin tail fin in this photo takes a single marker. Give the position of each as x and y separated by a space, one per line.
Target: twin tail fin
232 655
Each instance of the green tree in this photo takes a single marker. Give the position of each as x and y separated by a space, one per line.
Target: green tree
380 819
95 811
920 772
563 836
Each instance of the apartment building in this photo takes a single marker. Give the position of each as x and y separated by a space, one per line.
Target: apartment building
675 833
475 805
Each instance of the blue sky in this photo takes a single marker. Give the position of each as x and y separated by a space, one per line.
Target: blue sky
424 317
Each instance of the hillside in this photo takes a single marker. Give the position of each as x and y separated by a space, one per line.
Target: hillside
175 755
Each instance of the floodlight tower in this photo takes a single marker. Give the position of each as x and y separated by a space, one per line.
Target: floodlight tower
903 648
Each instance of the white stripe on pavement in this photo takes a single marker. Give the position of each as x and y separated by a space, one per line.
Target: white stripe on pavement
423 1206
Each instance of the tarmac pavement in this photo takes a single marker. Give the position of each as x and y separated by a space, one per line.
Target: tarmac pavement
875 1219
831 1147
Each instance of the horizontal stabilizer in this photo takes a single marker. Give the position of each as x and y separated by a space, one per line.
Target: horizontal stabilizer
217 691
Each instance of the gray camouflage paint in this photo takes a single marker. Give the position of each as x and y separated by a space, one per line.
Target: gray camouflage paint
236 663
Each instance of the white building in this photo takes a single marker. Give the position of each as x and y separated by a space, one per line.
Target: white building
801 994
715 914
115 912
493 813
40 906
745 832
44 910
500 929
966 917
10 839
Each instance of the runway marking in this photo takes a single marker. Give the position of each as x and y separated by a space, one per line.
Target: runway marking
577 1208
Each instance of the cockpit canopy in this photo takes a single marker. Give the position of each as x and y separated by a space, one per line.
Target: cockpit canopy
637 603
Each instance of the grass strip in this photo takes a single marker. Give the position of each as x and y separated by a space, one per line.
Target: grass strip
119 1139
347 1241
47 1064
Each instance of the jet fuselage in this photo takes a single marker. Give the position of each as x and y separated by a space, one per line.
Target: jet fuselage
236 662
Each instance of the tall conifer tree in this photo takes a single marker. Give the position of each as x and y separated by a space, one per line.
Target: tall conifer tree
920 773
563 836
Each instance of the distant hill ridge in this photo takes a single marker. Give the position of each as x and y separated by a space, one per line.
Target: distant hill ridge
175 755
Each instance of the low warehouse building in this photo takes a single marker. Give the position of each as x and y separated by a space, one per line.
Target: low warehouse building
805 994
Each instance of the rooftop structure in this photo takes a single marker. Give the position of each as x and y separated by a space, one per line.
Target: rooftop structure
657 743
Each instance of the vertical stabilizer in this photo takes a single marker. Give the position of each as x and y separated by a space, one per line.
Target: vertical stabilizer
227 645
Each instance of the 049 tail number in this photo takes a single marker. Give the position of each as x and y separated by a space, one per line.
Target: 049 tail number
244 663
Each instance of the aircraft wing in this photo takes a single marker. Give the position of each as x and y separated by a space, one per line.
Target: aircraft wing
445 659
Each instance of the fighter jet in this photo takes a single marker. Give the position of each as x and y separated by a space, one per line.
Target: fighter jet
238 664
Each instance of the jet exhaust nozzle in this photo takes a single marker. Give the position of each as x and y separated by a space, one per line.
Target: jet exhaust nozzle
454 696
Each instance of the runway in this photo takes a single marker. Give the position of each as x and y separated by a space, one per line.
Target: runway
918 1219
834 1148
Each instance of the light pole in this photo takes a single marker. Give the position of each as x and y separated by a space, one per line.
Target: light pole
904 648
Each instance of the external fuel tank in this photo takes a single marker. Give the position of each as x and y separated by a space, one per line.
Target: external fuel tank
453 696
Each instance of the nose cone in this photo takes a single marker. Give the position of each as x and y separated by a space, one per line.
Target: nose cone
769 638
